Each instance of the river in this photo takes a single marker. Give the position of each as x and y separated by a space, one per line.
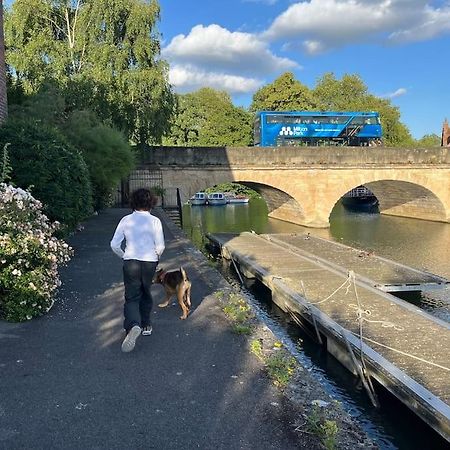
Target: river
416 243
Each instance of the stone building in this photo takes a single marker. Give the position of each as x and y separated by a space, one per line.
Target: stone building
445 141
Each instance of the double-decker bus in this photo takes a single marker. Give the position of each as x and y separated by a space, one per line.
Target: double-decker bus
288 128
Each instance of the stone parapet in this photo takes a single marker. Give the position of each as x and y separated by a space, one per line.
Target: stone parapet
292 156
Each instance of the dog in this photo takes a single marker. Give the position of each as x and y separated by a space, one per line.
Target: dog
175 282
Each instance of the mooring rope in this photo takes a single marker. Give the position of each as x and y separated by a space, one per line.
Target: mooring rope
360 311
368 312
404 353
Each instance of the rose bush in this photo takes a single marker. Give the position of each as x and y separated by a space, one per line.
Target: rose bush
29 256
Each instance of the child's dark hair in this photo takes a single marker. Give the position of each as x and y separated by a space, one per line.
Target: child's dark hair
143 199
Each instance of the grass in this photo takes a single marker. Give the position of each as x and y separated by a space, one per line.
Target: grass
239 313
279 364
326 430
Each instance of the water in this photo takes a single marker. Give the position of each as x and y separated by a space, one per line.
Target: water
416 243
421 244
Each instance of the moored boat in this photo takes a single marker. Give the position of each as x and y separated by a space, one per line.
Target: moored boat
216 198
236 199
360 199
199 198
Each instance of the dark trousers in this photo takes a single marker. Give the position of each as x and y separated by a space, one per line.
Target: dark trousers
137 277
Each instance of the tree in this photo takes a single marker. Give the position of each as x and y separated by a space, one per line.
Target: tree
347 94
284 94
3 97
105 54
105 150
351 94
429 140
208 118
43 161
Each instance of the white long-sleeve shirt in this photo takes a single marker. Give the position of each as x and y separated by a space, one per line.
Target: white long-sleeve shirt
143 235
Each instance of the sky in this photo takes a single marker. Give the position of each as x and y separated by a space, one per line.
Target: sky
400 48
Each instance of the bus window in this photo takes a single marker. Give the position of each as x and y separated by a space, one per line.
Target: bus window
274 119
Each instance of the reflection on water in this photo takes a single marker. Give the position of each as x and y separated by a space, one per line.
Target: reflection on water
416 243
421 244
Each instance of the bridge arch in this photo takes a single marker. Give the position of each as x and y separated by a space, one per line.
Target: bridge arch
280 204
402 198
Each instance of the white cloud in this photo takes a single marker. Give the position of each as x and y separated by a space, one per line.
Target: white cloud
324 24
215 48
216 57
435 22
187 78
398 93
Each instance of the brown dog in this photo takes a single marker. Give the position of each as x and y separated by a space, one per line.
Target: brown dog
175 282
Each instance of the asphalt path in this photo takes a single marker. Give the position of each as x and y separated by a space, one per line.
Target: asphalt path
65 384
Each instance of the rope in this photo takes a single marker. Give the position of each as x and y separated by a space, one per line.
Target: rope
351 279
367 312
346 284
405 353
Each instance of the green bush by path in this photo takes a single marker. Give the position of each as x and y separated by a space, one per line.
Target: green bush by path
105 150
56 173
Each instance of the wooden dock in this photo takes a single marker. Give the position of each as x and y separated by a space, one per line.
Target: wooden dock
379 272
371 332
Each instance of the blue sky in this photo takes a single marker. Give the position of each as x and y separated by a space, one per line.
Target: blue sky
400 48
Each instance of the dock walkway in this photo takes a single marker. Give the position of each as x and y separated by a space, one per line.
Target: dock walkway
382 273
404 348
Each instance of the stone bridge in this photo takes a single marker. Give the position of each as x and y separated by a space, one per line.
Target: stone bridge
302 184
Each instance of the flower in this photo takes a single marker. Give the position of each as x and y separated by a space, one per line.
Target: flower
29 255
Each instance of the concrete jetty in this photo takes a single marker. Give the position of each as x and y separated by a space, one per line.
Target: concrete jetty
339 292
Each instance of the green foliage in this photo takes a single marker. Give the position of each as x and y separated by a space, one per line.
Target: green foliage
105 150
257 349
279 364
104 54
208 118
347 94
41 158
429 140
234 188
6 168
29 256
326 430
280 367
284 94
240 314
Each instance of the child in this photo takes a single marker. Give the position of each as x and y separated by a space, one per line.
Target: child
144 244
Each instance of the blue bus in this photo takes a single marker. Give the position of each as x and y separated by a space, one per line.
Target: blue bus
288 128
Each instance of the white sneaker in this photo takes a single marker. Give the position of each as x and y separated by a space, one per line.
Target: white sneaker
130 339
147 331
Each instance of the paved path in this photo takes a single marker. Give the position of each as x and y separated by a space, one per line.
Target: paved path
64 382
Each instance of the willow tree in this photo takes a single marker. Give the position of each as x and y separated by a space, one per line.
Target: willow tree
105 54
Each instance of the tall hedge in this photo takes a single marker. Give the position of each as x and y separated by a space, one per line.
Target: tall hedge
55 172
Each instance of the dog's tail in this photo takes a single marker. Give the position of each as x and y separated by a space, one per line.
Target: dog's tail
183 272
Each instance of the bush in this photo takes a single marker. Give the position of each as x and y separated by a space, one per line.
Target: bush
107 153
55 172
29 256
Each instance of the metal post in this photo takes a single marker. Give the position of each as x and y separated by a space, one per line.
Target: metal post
180 207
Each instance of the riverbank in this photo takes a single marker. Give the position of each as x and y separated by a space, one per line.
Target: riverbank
192 384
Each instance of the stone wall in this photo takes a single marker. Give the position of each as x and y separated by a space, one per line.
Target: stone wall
302 185
291 156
